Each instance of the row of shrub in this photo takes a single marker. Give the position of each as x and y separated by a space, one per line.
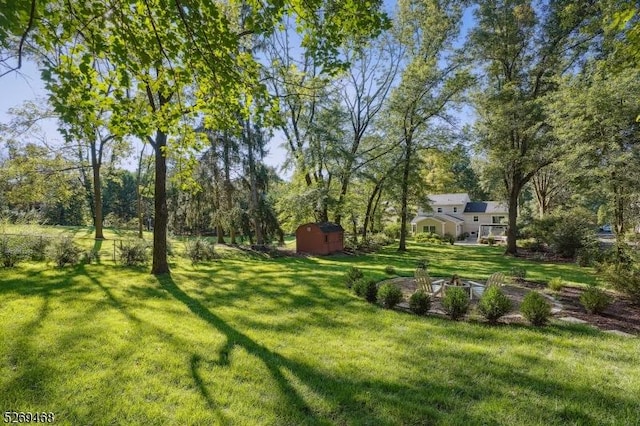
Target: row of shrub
492 305
428 237
64 251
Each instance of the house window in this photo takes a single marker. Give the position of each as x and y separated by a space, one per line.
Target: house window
497 219
475 218
455 210
429 228
439 209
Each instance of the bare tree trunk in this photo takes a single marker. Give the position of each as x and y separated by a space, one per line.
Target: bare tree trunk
160 264
405 195
512 229
97 195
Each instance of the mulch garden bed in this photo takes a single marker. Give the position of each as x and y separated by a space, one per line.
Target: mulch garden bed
621 315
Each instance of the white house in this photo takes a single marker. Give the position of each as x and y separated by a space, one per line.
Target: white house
456 214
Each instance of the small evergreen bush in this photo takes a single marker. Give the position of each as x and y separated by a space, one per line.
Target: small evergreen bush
353 274
200 250
595 300
420 302
494 304
556 283
624 277
535 308
134 252
389 295
65 252
518 273
455 302
367 289
390 270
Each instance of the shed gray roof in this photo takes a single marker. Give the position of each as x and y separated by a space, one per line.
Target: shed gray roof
327 227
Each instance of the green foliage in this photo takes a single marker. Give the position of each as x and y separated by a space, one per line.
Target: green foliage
368 289
595 300
392 231
64 251
624 277
556 283
494 304
13 249
134 252
535 308
352 275
428 237
38 247
518 273
199 250
389 295
422 263
455 302
420 302
390 270
90 256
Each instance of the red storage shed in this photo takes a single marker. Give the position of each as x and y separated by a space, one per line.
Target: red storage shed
319 238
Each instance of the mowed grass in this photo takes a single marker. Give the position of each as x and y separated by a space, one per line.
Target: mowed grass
250 340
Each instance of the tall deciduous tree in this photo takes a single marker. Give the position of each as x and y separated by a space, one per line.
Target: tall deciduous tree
431 81
595 114
522 49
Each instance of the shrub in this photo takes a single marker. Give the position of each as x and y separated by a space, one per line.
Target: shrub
535 308
134 252
532 245
455 302
556 283
422 263
389 295
90 256
13 250
518 273
38 247
449 239
624 277
392 231
420 302
199 250
390 270
367 289
381 239
494 304
595 300
353 274
64 252
491 240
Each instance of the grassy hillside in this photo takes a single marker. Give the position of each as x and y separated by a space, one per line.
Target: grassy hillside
252 340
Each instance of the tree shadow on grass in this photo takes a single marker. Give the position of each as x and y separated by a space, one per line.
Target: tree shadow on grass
352 400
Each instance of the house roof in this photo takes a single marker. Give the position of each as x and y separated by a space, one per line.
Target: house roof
443 217
448 199
486 207
475 207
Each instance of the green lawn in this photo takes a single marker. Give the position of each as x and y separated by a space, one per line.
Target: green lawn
252 340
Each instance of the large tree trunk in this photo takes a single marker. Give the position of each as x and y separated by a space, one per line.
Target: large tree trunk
228 188
160 264
97 198
405 196
512 229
